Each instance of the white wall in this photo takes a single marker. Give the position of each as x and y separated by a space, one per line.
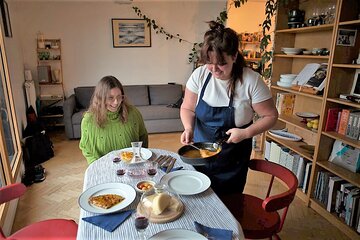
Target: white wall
87 51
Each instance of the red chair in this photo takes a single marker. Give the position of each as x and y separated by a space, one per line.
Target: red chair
259 218
47 229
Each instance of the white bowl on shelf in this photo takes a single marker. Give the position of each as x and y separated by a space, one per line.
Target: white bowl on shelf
284 84
291 51
286 80
288 76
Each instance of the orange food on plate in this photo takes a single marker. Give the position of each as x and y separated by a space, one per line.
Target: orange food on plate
126 155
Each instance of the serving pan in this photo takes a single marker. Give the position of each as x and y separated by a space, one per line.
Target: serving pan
198 161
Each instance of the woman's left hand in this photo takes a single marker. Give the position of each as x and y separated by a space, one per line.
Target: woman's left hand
236 135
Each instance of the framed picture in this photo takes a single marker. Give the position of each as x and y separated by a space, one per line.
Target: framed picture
5 18
346 37
130 33
355 90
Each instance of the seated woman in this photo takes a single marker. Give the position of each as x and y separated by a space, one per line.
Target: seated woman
110 122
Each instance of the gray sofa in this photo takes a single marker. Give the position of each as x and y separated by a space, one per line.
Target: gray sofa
158 105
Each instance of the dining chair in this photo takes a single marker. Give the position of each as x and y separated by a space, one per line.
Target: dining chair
48 229
263 218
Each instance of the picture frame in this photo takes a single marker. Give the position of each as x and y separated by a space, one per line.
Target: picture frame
130 33
355 90
346 37
5 18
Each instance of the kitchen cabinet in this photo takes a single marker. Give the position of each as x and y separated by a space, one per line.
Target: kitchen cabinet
339 80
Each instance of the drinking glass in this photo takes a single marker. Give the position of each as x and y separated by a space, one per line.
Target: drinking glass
142 215
151 168
136 147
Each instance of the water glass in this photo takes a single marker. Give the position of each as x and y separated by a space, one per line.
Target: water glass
136 147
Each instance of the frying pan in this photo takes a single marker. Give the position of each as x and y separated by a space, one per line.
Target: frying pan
202 145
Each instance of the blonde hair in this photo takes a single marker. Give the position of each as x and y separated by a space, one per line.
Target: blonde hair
98 101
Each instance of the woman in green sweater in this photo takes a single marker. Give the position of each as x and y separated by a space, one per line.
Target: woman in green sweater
110 122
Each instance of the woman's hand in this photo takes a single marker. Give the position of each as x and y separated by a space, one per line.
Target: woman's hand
187 137
236 135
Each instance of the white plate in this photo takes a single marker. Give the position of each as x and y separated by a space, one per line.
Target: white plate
285 135
306 114
121 189
177 234
145 154
186 182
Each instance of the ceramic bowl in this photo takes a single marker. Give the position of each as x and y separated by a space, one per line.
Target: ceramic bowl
286 80
307 52
288 76
144 185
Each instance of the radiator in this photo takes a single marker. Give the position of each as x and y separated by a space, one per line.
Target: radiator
30 94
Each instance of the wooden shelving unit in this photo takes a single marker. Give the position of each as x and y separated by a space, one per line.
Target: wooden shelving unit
51 88
340 75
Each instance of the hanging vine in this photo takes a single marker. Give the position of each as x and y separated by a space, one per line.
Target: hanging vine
266 56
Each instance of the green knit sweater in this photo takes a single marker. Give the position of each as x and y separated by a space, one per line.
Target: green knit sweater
95 142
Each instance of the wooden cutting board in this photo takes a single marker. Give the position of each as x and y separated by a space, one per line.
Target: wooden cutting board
168 215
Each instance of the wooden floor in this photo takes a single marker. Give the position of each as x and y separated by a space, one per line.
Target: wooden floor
57 196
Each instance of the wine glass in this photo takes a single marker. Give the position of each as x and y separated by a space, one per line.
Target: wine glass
142 215
151 168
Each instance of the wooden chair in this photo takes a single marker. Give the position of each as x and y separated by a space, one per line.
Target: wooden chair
48 229
259 218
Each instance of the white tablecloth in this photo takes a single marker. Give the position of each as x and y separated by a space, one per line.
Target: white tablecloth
205 208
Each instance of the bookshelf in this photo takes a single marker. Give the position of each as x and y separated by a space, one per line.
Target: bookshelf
50 79
340 76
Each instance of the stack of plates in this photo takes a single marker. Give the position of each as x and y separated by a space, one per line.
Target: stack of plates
286 80
291 51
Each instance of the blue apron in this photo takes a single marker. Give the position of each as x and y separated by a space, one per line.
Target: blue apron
229 170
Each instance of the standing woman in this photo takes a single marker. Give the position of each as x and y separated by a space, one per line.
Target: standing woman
220 100
110 122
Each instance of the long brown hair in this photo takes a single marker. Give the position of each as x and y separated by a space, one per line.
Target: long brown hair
98 101
222 40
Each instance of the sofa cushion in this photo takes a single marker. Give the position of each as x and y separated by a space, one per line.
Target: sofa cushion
158 112
83 96
165 94
137 94
77 117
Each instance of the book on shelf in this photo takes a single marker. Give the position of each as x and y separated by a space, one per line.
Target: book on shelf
306 176
339 205
351 197
345 156
331 120
275 150
338 122
301 171
345 195
353 125
285 103
344 118
334 186
267 149
355 211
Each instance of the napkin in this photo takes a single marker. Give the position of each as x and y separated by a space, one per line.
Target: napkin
213 233
172 170
110 221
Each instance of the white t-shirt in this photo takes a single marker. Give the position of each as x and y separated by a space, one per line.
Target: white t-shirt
251 90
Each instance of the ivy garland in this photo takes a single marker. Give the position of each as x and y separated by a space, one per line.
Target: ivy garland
270 9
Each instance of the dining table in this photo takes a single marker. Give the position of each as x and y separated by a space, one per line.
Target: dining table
204 207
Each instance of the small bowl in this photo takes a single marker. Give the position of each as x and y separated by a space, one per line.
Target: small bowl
288 76
307 52
145 183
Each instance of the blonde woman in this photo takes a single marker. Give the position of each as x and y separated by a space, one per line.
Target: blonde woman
110 122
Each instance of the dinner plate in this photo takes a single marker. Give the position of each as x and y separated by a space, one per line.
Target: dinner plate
186 182
306 114
121 189
145 154
177 234
285 135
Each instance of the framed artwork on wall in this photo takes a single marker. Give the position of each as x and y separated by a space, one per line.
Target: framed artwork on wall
5 18
130 33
